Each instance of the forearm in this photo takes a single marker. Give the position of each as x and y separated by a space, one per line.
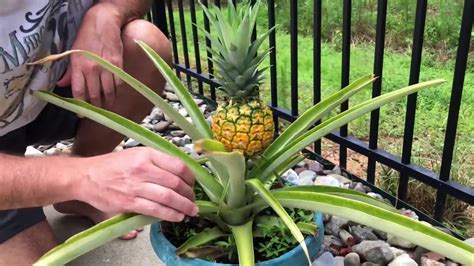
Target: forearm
127 10
31 182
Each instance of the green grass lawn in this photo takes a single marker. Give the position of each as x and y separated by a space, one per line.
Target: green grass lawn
432 104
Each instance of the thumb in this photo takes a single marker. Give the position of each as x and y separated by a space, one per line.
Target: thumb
66 79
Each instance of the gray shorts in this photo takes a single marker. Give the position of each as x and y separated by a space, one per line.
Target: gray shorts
52 125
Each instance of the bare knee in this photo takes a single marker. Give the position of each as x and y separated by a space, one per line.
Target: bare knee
150 34
27 246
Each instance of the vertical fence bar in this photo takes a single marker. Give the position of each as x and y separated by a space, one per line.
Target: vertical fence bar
346 53
197 54
377 87
418 32
317 60
158 15
455 103
254 32
184 39
294 56
210 64
273 61
173 35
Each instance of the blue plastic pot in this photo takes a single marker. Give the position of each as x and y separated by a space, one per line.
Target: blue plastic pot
167 252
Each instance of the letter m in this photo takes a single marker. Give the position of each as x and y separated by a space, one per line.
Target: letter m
13 59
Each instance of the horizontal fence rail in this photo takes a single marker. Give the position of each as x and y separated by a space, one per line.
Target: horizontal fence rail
203 74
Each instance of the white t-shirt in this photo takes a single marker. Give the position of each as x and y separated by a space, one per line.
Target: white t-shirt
30 30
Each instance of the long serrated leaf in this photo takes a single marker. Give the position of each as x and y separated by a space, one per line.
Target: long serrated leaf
235 166
133 130
207 207
183 94
268 197
268 221
243 235
315 113
335 122
391 222
201 238
341 192
138 86
93 237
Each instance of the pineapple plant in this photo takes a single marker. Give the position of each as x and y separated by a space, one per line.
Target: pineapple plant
239 188
242 122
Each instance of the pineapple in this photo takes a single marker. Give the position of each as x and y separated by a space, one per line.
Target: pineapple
243 122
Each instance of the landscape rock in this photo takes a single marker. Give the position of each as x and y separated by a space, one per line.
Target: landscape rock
148 126
374 251
198 101
470 241
339 261
327 180
359 187
307 175
397 252
417 253
301 164
352 259
130 143
32 152
171 96
409 213
177 133
341 179
375 195
169 88
403 260
183 112
399 242
299 169
325 259
315 167
380 234
330 241
362 233
444 229
346 238
369 263
180 142
334 225
161 126
306 181
290 176
157 114
336 170
209 121
425 261
173 126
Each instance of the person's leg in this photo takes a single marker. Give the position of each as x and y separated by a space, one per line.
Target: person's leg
26 247
93 139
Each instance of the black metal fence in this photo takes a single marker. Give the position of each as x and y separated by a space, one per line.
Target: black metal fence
440 181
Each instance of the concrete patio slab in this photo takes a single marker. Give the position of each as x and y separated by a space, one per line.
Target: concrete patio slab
118 252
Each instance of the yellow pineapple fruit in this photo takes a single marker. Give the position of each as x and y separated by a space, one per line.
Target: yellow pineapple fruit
242 123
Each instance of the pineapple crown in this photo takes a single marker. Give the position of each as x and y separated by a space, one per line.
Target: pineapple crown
234 52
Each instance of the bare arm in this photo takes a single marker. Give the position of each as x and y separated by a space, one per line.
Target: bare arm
139 180
31 182
100 33
127 10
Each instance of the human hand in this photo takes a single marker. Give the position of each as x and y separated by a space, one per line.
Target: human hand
139 180
99 33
